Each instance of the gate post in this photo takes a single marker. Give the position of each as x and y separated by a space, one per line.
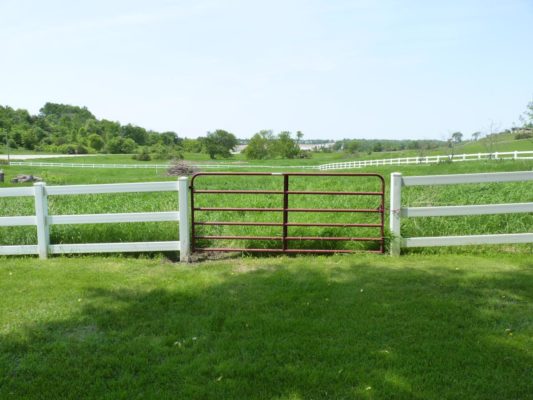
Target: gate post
395 210
41 214
183 196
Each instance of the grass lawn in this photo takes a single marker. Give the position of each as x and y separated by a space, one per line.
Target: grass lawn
341 327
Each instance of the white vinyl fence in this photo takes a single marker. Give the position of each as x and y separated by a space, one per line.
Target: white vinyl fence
397 211
509 155
42 220
153 166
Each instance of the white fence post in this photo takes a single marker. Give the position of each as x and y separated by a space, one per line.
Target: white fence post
41 214
183 195
395 209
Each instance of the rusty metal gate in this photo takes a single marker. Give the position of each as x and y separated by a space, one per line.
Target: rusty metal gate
286 211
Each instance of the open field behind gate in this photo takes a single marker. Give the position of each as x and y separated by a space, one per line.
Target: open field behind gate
161 231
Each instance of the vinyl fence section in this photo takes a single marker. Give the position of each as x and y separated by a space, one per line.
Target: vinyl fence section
510 155
397 212
153 166
42 220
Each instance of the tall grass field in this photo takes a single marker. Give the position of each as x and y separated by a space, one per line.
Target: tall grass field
140 202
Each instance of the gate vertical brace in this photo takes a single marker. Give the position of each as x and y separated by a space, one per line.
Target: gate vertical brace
382 218
285 212
193 221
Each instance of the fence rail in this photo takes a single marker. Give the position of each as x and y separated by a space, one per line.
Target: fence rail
153 166
509 155
42 221
397 211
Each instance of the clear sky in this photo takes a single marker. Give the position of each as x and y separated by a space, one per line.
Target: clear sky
332 69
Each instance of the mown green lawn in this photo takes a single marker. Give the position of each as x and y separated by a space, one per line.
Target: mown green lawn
341 327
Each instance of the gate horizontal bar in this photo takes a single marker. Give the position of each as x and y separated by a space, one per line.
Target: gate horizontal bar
362 210
335 193
239 223
340 225
328 238
243 249
211 191
305 192
336 238
214 237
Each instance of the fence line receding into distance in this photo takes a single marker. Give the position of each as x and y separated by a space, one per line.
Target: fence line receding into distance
508 155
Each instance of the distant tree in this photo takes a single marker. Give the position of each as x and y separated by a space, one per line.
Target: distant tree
128 146
96 142
192 145
299 136
529 111
29 139
260 146
119 145
476 135
457 137
378 146
136 133
352 146
491 137
285 146
219 143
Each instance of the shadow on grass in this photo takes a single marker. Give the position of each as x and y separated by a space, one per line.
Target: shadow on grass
354 331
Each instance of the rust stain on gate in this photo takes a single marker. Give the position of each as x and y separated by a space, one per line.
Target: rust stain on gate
286 211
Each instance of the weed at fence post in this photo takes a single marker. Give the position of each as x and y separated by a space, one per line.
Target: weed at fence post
184 238
395 210
41 214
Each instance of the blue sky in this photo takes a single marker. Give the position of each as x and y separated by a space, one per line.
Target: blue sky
332 69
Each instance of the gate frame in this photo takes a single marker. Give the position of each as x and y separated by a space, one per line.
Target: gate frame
286 210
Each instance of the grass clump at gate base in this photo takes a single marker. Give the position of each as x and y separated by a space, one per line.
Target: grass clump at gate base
339 327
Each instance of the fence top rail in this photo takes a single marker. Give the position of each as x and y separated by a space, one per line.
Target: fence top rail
170 186
338 174
467 178
17 192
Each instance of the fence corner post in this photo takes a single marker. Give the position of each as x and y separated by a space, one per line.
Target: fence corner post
41 214
395 213
184 235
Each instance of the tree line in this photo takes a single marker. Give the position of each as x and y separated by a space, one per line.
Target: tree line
67 129
62 128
